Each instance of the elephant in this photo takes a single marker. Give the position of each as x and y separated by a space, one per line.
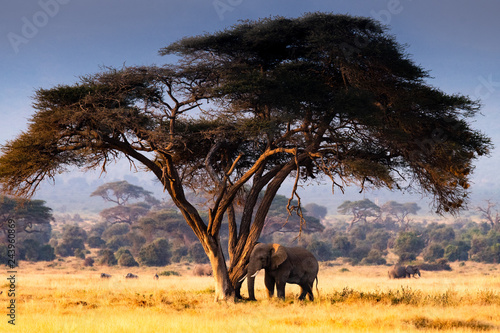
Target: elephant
412 270
282 265
105 276
398 272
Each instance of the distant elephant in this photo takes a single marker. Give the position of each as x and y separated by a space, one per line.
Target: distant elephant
105 276
398 272
412 270
282 265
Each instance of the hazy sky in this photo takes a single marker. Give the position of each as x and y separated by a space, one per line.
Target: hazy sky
48 42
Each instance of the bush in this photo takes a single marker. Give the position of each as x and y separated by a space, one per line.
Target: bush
408 245
95 242
374 257
116 242
79 254
107 257
68 246
321 250
31 249
439 265
156 253
125 258
46 253
457 251
88 262
197 253
117 229
179 253
433 252
202 270
358 254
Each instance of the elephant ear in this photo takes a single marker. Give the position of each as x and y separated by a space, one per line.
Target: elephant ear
278 255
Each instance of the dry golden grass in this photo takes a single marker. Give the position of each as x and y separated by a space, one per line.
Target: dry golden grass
74 299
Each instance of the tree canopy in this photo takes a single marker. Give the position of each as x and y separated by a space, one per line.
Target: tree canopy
243 109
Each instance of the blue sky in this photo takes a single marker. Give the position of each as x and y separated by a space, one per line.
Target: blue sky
48 42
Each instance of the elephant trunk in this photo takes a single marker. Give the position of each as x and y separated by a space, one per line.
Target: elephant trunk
252 271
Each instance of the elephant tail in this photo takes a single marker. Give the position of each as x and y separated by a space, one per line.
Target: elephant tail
317 290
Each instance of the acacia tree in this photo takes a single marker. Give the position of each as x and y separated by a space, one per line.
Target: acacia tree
360 210
401 211
244 109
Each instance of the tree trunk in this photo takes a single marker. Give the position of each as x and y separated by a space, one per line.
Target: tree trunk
223 287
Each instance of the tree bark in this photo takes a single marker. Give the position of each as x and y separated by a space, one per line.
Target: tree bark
224 290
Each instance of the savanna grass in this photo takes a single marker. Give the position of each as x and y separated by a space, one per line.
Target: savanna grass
466 299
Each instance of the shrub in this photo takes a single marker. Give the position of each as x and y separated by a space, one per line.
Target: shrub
95 242
156 253
433 252
31 249
374 257
408 245
202 270
116 242
117 229
457 251
125 258
88 262
197 253
439 265
107 257
46 253
179 253
79 254
321 250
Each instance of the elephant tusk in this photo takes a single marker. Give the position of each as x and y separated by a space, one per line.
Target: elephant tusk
243 278
255 273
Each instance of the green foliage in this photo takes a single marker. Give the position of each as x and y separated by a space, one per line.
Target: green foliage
73 238
32 218
408 245
107 257
115 242
95 242
322 250
197 254
156 253
121 192
79 254
433 252
457 250
283 96
117 229
374 257
125 258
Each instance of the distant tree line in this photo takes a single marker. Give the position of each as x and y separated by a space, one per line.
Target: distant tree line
140 230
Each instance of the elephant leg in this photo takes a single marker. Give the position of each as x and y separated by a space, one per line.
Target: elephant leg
306 290
303 292
269 283
237 290
280 288
310 292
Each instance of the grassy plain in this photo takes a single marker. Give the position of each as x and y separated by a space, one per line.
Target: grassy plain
70 298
